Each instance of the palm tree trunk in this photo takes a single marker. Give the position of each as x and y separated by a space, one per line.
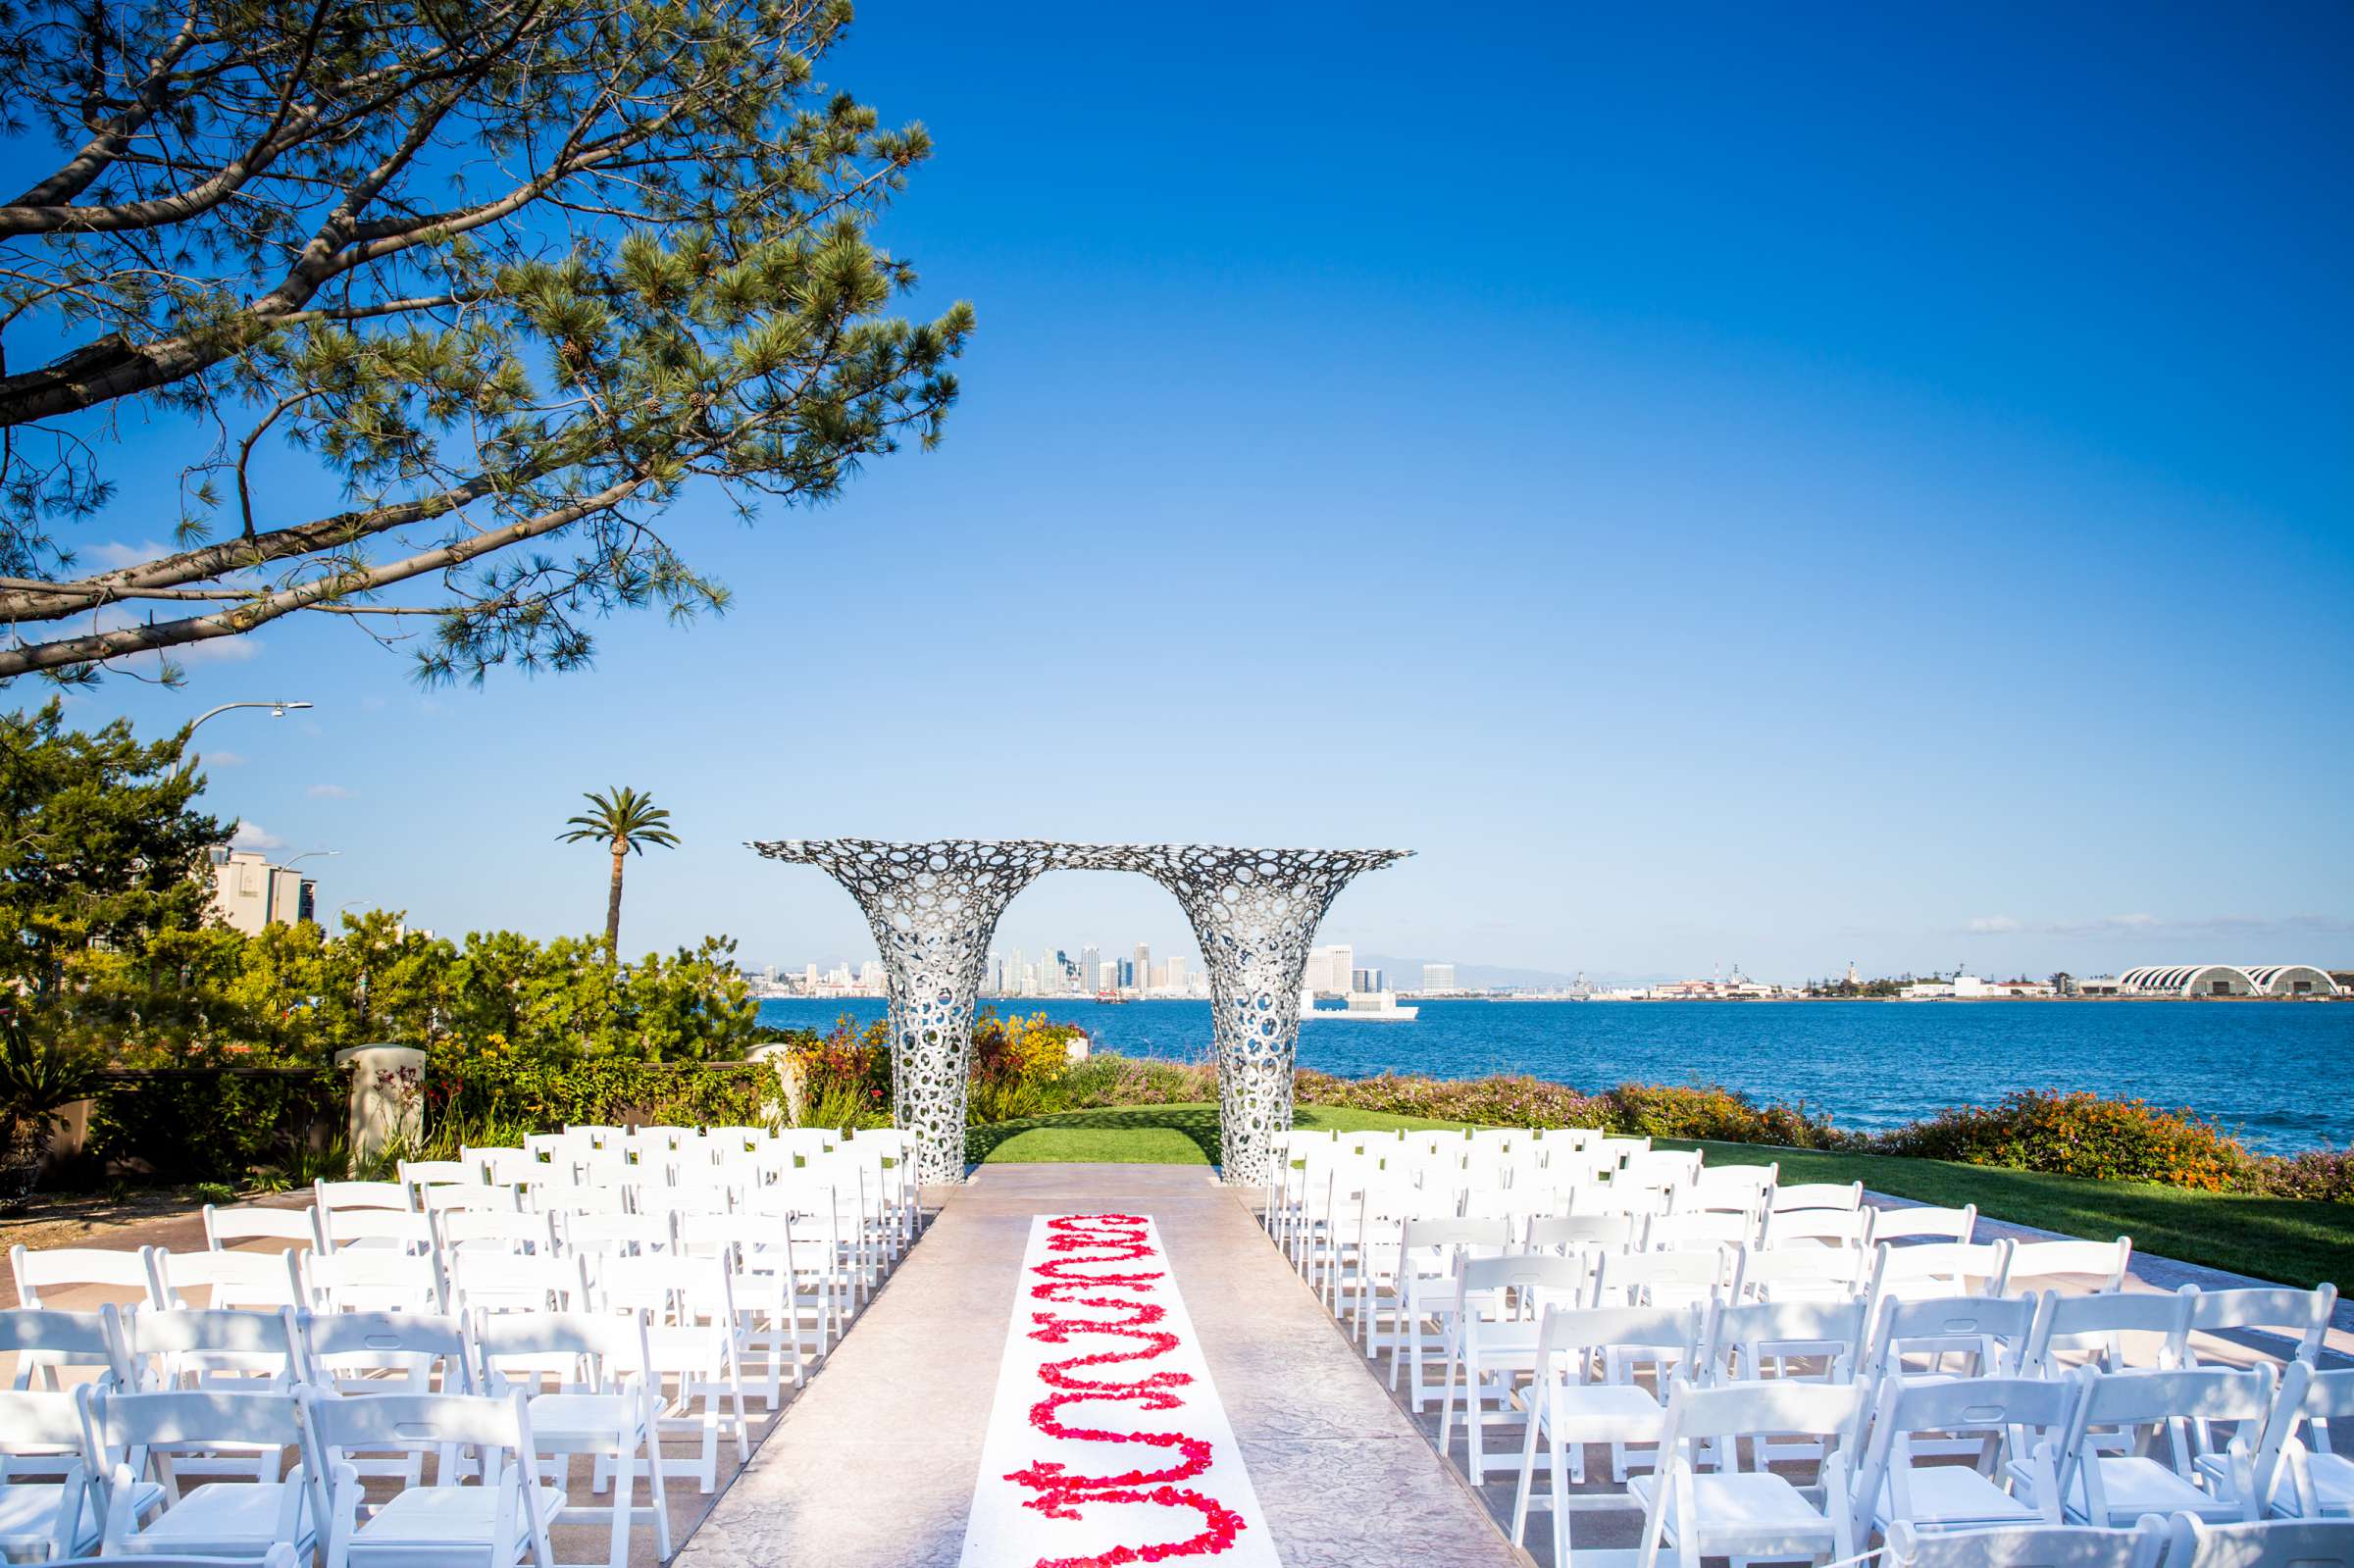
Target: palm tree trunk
613 908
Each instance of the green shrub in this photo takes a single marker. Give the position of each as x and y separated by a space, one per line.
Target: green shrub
509 1093
1712 1111
2079 1133
214 1192
212 1127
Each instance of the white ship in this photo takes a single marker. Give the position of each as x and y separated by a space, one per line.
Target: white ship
1364 1007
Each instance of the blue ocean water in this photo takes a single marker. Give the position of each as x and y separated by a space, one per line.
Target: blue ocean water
2281 1073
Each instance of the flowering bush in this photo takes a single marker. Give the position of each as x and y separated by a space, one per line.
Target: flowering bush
2079 1133
843 1075
1020 1050
2326 1175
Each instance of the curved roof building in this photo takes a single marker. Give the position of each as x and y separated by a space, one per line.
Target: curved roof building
2228 980
2189 980
2291 980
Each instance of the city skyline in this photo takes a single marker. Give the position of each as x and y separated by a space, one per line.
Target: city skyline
1901 592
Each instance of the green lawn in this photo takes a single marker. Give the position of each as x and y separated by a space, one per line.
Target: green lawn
2273 1239
1142 1134
2288 1239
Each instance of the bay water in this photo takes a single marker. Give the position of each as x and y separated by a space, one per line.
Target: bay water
2280 1075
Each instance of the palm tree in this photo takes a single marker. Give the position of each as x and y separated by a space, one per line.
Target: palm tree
626 821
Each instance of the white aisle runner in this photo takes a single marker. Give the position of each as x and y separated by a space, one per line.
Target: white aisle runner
1108 1444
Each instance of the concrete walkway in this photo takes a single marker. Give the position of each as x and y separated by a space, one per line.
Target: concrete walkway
874 1464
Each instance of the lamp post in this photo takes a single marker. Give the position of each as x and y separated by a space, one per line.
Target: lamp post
278 710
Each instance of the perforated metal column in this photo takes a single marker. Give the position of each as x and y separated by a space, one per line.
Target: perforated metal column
1255 913
934 908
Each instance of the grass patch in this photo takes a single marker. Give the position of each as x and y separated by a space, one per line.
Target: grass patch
1142 1134
2293 1241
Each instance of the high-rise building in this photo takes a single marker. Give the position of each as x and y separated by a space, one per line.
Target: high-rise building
1143 966
1174 976
1091 968
1127 974
1367 980
1438 977
249 892
1331 969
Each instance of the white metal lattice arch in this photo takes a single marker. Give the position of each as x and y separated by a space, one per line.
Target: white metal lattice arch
934 908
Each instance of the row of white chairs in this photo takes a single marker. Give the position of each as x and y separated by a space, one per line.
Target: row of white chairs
786 1301
506 1399
1725 1279
2047 1481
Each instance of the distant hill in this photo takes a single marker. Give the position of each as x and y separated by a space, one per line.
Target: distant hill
1406 973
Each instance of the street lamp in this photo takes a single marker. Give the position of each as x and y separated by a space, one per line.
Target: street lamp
307 854
278 710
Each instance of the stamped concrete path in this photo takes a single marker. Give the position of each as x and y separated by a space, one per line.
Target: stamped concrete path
874 1464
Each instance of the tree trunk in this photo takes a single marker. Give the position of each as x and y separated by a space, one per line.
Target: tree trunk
613 908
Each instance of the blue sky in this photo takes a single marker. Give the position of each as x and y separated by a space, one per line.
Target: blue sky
1723 487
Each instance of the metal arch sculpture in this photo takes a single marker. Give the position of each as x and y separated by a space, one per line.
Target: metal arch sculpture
934 906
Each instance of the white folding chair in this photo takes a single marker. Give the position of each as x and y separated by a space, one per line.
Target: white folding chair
2094 1265
1685 1277
1846 1229
1575 1400
368 1279
602 1406
59 1268
758 1252
420 1176
2028 1547
613 1234
360 1196
492 1231
252 1223
2111 1489
351 1230
1493 1342
2068 1326
142 1444
1830 1196
2017 1424
517 1281
1706 1230
1431 1251
806 1213
1802 1273
694 1335
2194 1542
1752 1513
45 1341
223 1279
40 1433
361 1354
1940 1269
2321 1480
499 1521
1988 1333
2301 1317
1922 1223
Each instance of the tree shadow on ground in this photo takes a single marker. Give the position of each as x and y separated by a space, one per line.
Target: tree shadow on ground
1197 1123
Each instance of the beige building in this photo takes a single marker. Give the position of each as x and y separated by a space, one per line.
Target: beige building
249 892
